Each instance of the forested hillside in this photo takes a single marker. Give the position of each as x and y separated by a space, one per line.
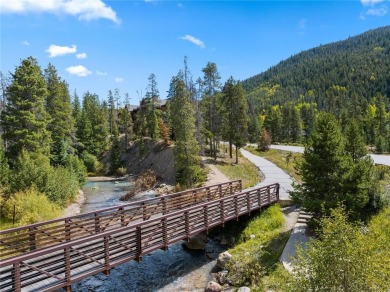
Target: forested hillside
347 78
360 64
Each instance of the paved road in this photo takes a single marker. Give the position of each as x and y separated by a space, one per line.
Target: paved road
378 159
272 174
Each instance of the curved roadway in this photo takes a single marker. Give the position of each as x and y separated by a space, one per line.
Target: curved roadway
378 159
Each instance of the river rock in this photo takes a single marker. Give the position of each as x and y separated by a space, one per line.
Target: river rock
244 289
196 242
221 277
223 258
213 287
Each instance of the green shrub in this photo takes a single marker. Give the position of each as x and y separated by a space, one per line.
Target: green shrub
76 165
31 206
30 169
62 186
90 161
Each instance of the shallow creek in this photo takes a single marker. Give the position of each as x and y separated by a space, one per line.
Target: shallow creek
176 269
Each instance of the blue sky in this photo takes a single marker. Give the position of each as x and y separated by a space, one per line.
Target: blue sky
99 45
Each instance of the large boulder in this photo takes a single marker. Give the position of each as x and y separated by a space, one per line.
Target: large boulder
213 287
197 242
223 258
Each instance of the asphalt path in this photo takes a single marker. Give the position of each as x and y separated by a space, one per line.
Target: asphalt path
378 159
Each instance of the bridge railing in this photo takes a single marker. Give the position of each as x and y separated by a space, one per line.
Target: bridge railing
58 266
36 236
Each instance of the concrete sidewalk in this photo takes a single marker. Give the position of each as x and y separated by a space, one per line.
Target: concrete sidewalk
273 174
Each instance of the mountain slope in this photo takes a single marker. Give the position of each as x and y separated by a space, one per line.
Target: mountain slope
358 68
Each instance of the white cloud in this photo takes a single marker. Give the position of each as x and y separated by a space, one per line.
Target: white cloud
302 23
382 11
373 9
193 40
370 2
100 73
84 9
81 56
119 79
25 43
55 51
79 70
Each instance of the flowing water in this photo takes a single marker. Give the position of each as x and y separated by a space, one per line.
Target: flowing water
176 269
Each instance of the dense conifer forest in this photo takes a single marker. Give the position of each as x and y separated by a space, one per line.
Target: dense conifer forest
349 78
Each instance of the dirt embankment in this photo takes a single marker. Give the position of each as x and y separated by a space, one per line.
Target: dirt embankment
156 156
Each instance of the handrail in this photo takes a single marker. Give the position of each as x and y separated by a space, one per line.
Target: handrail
35 236
55 267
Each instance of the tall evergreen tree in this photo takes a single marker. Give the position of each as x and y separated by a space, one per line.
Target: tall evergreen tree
24 119
183 124
322 168
212 117
354 140
93 130
58 106
235 108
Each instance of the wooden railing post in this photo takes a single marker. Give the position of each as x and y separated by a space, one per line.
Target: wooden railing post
32 238
248 203
206 218
236 207
97 223
220 191
208 194
144 217
67 229
187 225
195 197
164 206
16 274
240 185
222 203
68 279
231 188
122 212
259 198
165 234
107 255
269 194
138 235
277 191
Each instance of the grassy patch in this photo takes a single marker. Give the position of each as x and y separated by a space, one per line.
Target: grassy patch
281 159
255 258
244 170
6 223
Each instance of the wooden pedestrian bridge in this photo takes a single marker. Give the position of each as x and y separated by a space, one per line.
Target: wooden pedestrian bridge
54 254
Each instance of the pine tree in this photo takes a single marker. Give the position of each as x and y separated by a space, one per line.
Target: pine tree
92 131
322 168
58 106
183 124
152 113
212 117
235 108
354 140
24 119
